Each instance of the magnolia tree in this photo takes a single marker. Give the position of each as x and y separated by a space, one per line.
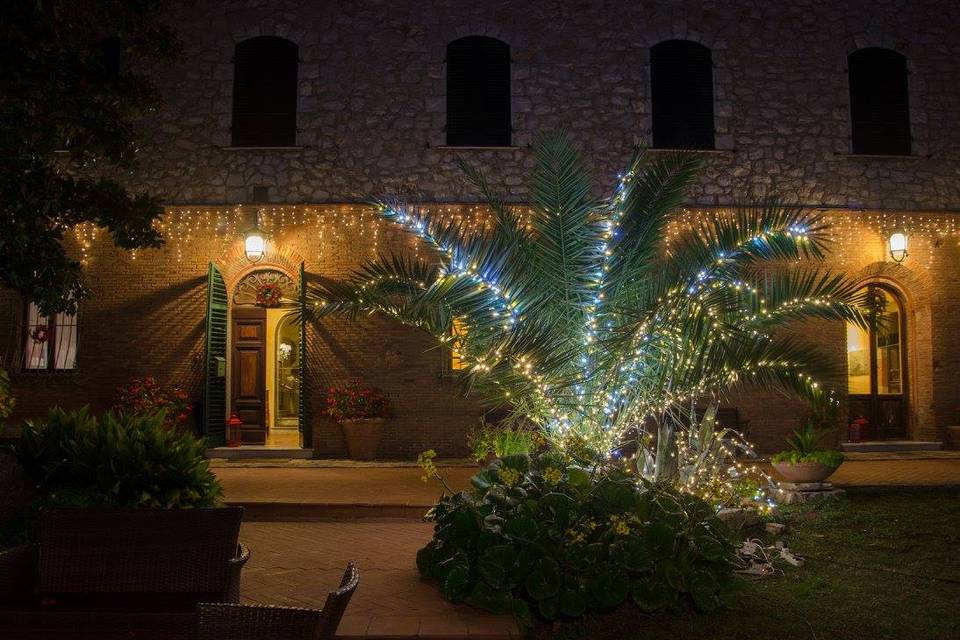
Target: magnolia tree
581 319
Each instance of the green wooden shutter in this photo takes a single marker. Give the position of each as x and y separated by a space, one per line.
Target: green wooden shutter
215 392
303 418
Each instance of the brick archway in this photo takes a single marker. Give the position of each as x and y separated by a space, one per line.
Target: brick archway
913 288
234 266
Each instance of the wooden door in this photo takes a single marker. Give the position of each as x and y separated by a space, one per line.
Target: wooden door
249 372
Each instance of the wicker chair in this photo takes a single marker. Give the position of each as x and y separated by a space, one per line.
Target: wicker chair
111 573
261 622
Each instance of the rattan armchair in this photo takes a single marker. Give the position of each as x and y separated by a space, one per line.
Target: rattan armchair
105 573
218 621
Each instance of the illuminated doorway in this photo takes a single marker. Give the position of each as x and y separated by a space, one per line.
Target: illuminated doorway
876 367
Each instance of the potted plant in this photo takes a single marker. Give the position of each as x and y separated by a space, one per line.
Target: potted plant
804 461
489 442
361 412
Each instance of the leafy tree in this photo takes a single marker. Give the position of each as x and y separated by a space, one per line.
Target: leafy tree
583 321
71 90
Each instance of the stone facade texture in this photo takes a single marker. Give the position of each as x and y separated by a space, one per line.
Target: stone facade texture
371 118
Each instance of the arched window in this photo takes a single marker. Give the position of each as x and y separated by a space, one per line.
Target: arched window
111 52
265 93
876 372
681 85
478 92
879 103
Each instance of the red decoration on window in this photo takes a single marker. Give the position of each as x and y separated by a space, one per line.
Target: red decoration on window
40 334
269 295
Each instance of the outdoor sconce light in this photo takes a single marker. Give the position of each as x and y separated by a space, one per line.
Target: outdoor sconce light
898 245
254 244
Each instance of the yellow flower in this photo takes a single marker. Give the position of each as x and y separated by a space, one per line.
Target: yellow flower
620 525
552 476
508 476
425 462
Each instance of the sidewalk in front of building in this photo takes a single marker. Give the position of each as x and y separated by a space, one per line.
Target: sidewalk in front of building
392 490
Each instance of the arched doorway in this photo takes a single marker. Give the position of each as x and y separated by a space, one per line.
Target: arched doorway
265 364
877 381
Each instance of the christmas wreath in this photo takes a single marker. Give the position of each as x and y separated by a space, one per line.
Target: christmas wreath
40 334
268 295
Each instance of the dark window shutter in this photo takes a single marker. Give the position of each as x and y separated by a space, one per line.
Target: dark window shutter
478 92
303 417
111 53
879 102
265 93
681 84
215 391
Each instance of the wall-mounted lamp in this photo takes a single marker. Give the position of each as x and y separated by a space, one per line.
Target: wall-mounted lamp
253 244
898 245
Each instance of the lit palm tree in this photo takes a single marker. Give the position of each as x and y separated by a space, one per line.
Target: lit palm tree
583 320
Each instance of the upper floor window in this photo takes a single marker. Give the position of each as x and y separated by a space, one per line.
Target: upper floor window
478 92
681 84
111 52
879 104
265 93
49 342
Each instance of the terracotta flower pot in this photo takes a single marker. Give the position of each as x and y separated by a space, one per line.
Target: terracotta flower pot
363 437
804 471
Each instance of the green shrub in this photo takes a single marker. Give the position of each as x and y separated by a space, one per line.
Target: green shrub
7 400
805 440
117 461
826 458
488 439
550 537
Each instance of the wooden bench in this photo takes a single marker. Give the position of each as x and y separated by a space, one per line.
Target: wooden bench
105 573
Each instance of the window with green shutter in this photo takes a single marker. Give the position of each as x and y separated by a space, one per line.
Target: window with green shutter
306 429
215 390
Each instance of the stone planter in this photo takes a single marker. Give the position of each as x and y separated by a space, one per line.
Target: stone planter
804 471
363 437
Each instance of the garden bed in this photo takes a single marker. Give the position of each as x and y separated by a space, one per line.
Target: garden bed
878 566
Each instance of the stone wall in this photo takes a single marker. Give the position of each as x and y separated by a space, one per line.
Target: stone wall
372 101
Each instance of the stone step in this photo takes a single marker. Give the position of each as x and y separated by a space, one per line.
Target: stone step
255 452
870 446
256 511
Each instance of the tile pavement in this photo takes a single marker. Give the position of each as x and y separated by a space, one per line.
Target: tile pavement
297 563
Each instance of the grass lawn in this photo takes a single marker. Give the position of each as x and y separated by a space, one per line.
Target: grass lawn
873 563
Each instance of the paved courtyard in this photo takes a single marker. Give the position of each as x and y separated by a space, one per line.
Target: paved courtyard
297 563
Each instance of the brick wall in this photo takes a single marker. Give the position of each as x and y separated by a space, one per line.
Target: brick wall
146 316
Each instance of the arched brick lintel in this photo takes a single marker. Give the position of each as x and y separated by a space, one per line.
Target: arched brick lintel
913 288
